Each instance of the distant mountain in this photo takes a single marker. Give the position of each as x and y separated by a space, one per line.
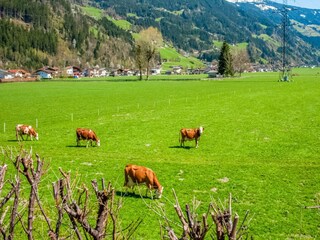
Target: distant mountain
303 28
60 33
194 25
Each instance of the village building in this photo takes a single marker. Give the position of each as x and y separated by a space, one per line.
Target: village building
44 74
4 74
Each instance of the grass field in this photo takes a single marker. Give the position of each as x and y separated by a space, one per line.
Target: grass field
93 12
261 135
173 58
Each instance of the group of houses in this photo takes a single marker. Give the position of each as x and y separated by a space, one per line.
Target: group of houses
15 75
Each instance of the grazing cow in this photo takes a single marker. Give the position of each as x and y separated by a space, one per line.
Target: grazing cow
22 129
88 135
136 175
190 134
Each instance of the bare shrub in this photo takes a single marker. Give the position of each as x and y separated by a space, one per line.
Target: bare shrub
223 225
69 211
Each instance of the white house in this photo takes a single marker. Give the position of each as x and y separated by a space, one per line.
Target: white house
212 74
155 71
69 70
103 72
177 69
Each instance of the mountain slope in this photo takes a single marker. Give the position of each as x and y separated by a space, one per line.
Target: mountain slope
194 25
56 33
59 33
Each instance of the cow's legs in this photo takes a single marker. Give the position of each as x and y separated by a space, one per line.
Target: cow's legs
131 190
182 142
149 190
197 143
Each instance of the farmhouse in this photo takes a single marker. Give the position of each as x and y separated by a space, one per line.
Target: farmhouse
5 74
72 71
212 74
44 74
19 73
155 71
95 72
102 72
47 72
90 72
177 69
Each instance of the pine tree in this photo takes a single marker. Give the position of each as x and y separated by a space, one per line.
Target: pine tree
225 66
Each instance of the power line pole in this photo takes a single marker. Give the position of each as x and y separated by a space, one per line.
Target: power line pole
285 75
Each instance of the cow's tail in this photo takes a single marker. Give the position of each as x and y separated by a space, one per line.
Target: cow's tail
127 170
125 177
78 136
17 133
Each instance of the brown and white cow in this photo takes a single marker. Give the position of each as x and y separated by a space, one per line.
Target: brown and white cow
137 175
190 134
22 129
87 135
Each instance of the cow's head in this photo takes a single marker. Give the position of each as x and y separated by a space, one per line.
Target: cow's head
201 130
159 192
33 133
98 142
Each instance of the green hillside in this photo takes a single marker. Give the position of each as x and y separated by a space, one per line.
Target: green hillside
170 57
93 12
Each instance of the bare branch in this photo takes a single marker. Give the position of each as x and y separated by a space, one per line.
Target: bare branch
312 207
15 207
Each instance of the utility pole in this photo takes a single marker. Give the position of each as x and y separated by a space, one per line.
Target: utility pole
285 74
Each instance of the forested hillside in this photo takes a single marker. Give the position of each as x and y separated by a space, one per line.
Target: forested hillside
194 25
54 32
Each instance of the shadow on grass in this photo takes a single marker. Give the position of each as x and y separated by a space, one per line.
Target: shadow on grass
131 195
185 147
75 146
27 140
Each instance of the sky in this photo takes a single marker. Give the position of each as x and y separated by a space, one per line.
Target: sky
314 4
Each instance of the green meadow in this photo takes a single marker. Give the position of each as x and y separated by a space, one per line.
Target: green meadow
260 143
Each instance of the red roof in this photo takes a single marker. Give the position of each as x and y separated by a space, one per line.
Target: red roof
17 70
